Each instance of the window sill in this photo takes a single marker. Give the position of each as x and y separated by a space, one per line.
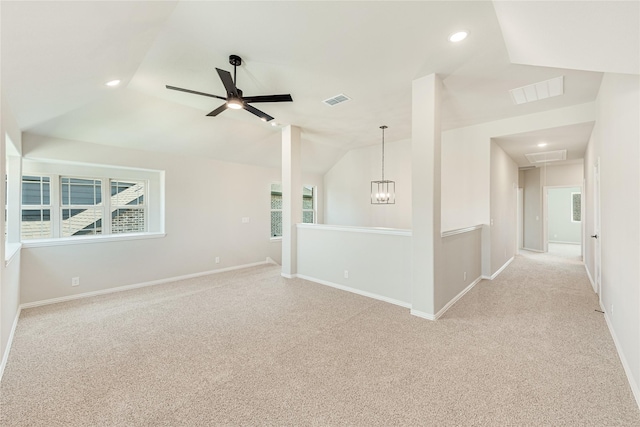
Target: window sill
64 241
276 239
10 251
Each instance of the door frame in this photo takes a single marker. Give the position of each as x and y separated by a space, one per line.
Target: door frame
545 215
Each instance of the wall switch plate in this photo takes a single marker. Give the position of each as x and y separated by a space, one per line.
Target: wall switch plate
245 220
75 281
346 274
217 260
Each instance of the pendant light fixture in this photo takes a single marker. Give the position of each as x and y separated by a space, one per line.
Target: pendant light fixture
383 192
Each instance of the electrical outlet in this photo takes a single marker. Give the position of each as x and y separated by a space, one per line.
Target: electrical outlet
245 220
75 281
464 276
346 274
612 309
217 260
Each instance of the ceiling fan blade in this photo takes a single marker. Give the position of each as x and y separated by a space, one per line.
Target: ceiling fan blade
227 81
268 98
255 111
218 110
194 92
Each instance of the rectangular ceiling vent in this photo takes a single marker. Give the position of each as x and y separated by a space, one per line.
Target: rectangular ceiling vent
335 100
548 156
538 91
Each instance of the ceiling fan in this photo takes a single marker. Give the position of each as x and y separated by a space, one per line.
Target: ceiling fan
234 98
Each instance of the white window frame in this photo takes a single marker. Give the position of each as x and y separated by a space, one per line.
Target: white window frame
153 201
102 207
41 207
313 210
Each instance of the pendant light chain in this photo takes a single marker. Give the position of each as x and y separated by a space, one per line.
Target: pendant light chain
383 127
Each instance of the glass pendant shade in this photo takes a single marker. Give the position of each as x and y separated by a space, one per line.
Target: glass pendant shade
383 192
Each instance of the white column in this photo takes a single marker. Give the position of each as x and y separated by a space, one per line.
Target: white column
426 251
291 198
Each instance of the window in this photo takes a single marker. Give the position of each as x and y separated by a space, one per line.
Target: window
576 207
308 208
128 209
82 209
36 207
276 210
65 206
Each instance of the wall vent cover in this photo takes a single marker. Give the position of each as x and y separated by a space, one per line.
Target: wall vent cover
547 156
538 91
335 100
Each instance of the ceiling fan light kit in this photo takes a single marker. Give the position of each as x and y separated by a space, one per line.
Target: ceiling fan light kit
234 99
383 192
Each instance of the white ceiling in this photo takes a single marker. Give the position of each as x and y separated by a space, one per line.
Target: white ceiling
56 57
572 138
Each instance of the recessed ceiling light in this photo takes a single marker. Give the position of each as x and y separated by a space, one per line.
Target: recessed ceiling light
113 83
542 144
458 37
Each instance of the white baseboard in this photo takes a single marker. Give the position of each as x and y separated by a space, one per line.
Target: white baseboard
593 284
501 269
532 250
288 276
457 297
355 291
5 358
136 286
635 388
271 261
447 305
422 314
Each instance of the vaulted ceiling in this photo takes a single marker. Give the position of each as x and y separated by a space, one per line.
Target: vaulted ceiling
56 57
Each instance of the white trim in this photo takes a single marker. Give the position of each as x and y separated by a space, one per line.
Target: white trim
565 243
422 314
532 250
457 297
460 231
501 269
371 230
7 349
63 241
627 369
136 286
289 276
271 261
11 250
355 291
593 284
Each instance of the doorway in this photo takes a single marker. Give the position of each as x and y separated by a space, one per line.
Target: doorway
563 221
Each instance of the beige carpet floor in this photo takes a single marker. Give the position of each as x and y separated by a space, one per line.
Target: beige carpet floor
251 348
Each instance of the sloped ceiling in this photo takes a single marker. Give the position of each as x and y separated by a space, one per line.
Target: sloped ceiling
56 57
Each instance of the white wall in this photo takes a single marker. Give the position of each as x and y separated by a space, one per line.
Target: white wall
504 185
466 159
532 210
563 175
560 227
9 274
616 142
205 201
377 261
347 187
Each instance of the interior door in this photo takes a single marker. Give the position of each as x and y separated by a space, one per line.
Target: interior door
596 229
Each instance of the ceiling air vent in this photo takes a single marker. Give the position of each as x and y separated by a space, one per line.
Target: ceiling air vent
335 100
538 91
548 156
